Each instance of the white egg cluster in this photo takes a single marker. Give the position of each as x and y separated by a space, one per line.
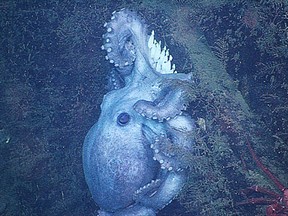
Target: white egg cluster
161 59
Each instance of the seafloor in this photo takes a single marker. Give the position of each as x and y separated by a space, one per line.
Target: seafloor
53 77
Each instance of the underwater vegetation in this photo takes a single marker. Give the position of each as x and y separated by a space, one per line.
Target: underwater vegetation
53 77
237 34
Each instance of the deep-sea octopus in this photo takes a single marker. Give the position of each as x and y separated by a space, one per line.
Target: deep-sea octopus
133 156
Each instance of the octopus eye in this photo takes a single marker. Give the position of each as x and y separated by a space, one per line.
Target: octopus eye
123 119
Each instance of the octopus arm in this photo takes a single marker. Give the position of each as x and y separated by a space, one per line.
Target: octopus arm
136 210
161 192
171 101
125 33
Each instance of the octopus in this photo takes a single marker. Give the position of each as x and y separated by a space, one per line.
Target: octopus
134 155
